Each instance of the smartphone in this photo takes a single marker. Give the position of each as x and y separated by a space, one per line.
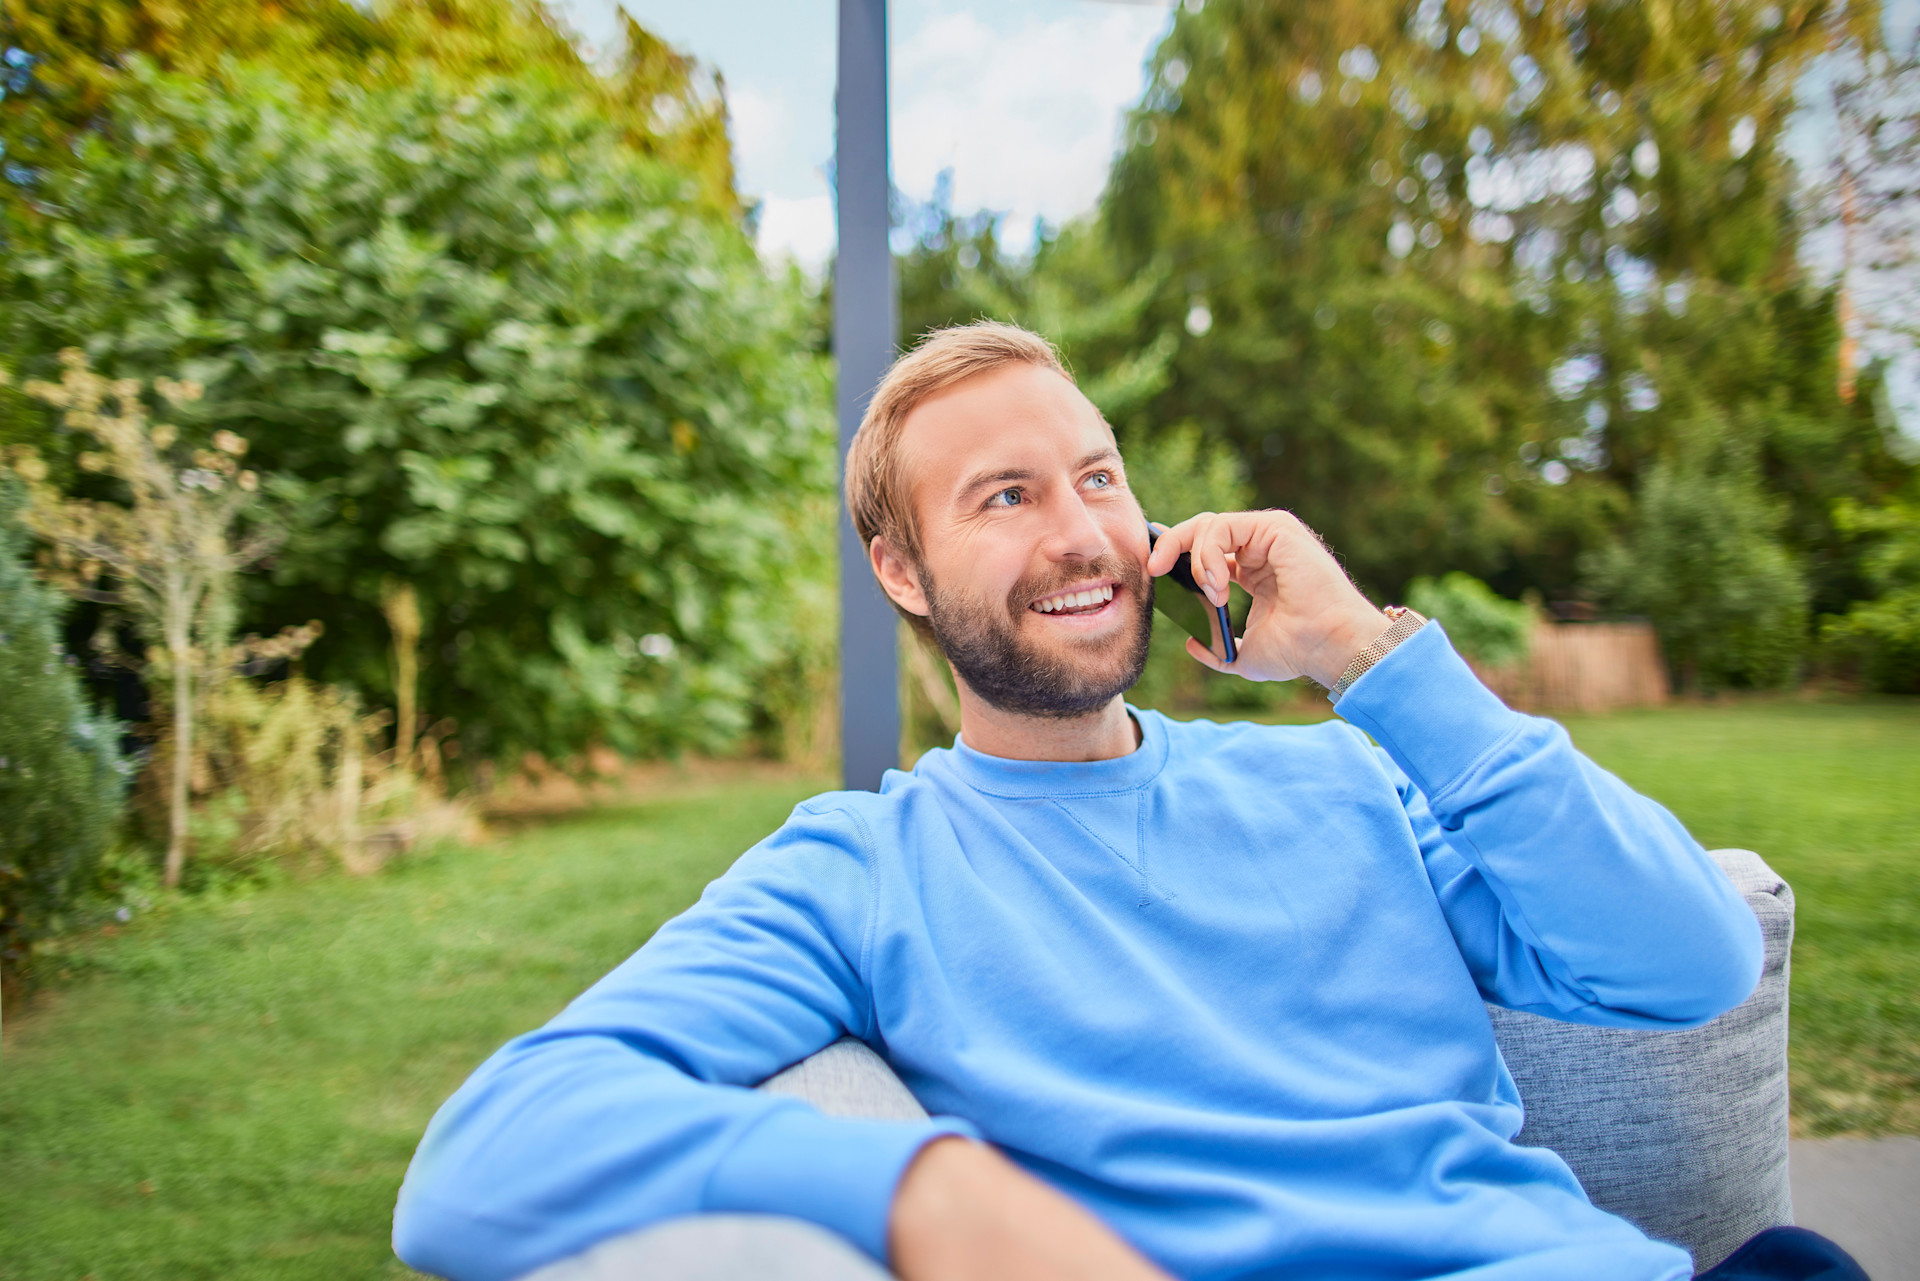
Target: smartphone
1188 607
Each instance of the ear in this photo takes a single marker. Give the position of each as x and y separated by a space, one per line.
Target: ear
899 577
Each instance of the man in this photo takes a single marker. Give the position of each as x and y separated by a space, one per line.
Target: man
1183 999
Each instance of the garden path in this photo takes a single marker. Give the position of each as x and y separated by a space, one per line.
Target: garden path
1865 1194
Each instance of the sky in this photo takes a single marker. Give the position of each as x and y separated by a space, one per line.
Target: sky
1022 99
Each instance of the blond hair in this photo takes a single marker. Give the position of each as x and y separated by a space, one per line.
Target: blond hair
879 492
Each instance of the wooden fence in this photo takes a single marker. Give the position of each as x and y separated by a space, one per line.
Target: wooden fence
1584 667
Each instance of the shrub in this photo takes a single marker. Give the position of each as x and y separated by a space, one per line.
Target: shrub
492 352
60 781
167 556
1486 627
1705 562
1883 635
288 770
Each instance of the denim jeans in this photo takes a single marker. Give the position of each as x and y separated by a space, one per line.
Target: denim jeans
1787 1254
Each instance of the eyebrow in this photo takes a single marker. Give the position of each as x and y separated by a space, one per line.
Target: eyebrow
1104 454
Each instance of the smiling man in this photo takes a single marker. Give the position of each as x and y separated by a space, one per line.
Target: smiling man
1193 999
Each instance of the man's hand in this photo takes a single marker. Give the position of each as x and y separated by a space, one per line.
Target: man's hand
963 1212
1308 619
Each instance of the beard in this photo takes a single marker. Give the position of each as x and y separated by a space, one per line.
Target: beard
983 642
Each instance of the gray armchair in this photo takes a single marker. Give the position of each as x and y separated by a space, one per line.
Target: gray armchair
1681 1133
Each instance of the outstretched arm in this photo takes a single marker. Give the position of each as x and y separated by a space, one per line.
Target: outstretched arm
633 1104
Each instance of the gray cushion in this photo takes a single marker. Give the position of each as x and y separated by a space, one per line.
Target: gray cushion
719 1247
1682 1133
848 1079
845 1079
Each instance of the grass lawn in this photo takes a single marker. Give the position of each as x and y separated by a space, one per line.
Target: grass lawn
236 1089
233 1087
1829 794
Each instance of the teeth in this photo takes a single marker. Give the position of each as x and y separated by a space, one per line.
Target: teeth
1075 600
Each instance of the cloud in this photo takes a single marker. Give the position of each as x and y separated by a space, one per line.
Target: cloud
800 229
1023 99
1027 117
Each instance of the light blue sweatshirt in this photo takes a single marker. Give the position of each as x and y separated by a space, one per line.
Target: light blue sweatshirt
1225 991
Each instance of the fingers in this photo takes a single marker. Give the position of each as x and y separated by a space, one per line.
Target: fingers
1173 540
1226 547
1212 540
1192 535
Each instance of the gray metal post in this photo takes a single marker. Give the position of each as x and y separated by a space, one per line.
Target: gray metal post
863 336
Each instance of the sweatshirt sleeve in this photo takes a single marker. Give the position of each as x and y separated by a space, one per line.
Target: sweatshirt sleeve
635 1103
1569 894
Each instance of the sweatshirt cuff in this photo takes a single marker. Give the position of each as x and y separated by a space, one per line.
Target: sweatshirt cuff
834 1171
1424 705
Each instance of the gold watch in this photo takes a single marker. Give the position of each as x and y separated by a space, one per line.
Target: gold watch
1405 622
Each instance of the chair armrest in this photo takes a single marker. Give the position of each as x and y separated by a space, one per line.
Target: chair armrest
1682 1133
848 1079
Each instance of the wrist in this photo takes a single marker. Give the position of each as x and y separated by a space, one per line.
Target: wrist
1350 634
962 1210
1401 623
929 1190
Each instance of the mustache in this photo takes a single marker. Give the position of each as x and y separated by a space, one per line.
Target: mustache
1130 573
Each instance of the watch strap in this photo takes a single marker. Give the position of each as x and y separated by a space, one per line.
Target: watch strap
1405 622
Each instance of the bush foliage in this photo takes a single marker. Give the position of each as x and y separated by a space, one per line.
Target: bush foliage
496 353
163 553
1482 625
60 781
80 51
1883 635
1705 562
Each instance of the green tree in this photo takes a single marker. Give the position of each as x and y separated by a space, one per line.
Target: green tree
67 59
1450 277
1705 561
496 353
60 781
1068 289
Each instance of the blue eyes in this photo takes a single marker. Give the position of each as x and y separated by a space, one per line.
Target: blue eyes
1015 496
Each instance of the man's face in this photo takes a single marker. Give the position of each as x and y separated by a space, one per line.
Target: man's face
1033 550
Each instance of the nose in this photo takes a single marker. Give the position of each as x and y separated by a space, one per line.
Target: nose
1075 534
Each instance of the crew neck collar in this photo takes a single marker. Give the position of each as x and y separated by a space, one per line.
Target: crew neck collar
999 776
